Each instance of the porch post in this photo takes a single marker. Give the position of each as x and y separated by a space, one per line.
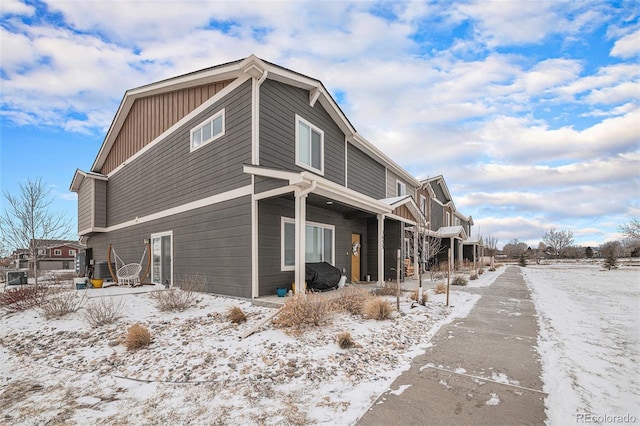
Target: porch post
380 249
460 252
452 260
300 228
415 250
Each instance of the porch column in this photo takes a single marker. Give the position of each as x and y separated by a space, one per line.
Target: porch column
300 234
475 267
380 249
460 252
452 260
415 250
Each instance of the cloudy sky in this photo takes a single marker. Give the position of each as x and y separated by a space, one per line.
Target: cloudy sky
530 109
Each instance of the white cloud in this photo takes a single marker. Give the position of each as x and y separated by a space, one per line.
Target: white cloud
628 46
15 7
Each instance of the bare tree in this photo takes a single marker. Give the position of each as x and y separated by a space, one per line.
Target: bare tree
632 229
557 241
491 243
514 248
28 221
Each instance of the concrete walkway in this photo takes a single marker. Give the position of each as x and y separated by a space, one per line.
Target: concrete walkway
481 370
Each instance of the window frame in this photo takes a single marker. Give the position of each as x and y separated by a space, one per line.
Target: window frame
201 125
401 188
284 221
57 252
72 252
312 128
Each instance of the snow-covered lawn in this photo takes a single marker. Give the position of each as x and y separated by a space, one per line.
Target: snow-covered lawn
198 371
589 341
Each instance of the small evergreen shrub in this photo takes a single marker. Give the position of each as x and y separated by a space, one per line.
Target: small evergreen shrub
377 308
137 337
522 261
236 315
459 280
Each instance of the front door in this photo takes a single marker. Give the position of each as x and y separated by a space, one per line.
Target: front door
355 257
161 263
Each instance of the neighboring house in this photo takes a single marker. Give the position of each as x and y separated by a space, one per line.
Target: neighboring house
19 259
242 173
57 254
449 224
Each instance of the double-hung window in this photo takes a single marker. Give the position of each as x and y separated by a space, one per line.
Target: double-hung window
57 252
309 146
401 189
207 131
319 243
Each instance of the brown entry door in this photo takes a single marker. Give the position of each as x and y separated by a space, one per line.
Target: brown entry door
355 257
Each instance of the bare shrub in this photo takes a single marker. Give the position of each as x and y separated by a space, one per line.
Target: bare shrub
377 308
390 288
137 337
459 280
182 296
303 310
345 341
23 298
441 288
103 311
351 300
480 271
416 293
473 277
236 315
61 303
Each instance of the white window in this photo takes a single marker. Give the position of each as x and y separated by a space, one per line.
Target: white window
448 218
401 188
319 243
208 131
309 146
72 252
57 252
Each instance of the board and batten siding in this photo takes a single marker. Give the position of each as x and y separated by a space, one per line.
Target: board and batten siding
279 104
364 174
170 175
150 116
213 242
437 215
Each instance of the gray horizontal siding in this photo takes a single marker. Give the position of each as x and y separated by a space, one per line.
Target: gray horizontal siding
270 213
100 203
213 242
170 175
364 174
85 204
279 103
392 190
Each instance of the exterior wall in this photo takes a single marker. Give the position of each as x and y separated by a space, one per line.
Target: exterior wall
437 215
85 204
440 195
170 175
279 103
150 116
270 213
393 239
392 179
212 241
364 174
100 203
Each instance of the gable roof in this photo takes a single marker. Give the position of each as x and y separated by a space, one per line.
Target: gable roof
452 231
254 67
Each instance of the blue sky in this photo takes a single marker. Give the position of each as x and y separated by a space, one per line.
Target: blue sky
528 108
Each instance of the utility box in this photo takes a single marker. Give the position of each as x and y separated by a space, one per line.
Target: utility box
16 277
102 270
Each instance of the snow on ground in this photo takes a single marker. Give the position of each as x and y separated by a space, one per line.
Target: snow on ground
197 370
589 341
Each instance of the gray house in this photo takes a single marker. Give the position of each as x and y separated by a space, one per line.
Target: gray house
243 173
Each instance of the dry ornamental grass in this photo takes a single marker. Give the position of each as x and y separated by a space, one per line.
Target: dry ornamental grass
303 310
138 336
236 315
377 308
351 300
345 341
440 289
